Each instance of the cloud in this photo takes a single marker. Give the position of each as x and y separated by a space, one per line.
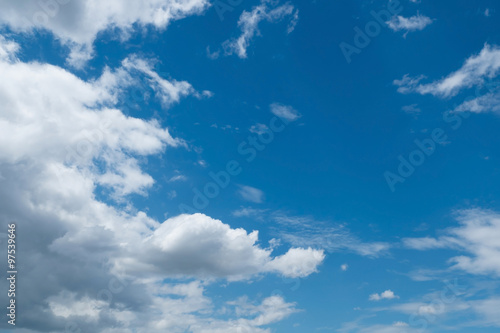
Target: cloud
169 92
304 231
76 23
413 23
344 267
396 327
251 194
112 267
178 178
199 246
489 102
427 243
8 49
249 25
477 68
477 235
388 294
284 111
411 109
487 309
249 211
259 129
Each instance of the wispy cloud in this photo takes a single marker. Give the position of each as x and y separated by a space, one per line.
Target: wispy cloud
249 25
474 71
304 231
249 212
413 23
251 194
284 111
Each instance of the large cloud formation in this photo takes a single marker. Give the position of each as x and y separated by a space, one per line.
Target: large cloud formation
88 265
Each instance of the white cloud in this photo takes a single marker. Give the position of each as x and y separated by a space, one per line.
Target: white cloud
477 68
477 235
249 25
8 49
411 109
427 243
304 231
251 194
344 267
284 111
178 178
197 245
388 294
488 310
76 23
249 211
168 92
69 139
489 102
413 23
297 262
397 327
259 129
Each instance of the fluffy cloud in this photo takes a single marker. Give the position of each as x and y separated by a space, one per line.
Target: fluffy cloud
106 264
388 294
477 235
413 23
249 24
197 245
76 23
475 70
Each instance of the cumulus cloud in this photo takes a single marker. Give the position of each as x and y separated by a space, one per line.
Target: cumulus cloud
477 68
67 138
477 235
413 23
197 245
76 23
249 24
388 294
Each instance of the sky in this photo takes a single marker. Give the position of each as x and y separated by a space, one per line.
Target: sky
251 166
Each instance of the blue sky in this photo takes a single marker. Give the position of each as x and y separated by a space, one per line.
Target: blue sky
252 166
